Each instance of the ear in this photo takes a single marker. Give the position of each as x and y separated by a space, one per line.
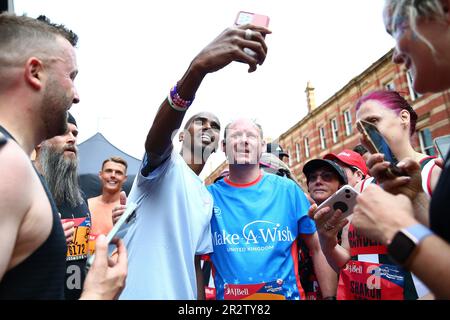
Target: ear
34 73
224 146
181 137
405 118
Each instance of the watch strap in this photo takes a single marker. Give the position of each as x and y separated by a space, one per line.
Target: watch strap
417 232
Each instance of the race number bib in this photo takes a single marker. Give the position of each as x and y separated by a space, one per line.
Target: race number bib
77 249
370 281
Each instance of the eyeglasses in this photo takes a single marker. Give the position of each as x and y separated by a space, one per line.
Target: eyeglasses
326 176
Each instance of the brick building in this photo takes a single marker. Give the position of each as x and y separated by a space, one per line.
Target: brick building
330 127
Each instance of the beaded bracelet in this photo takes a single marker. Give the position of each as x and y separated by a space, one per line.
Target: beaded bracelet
176 102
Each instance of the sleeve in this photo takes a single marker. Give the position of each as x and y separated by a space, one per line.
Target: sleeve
157 173
305 224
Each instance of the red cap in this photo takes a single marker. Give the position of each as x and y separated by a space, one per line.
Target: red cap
351 158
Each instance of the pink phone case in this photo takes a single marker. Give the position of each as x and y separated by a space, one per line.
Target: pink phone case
244 17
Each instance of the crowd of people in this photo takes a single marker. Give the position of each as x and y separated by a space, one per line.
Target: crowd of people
254 233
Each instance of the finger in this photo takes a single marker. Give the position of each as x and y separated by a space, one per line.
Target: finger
68 225
335 218
260 29
374 159
311 210
69 239
379 170
322 216
123 198
409 166
69 232
122 259
101 252
394 184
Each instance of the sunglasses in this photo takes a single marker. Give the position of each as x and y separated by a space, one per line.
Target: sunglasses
326 176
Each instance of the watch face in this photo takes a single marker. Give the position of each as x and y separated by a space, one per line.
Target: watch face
401 248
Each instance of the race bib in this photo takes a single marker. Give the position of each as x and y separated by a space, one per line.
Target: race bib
261 291
77 249
370 281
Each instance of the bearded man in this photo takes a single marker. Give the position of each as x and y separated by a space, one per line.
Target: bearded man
57 161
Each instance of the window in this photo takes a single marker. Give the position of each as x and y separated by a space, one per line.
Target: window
306 140
323 140
297 152
334 130
348 122
426 142
289 154
413 94
390 85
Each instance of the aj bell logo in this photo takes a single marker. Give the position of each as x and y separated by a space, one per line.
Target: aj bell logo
255 232
217 211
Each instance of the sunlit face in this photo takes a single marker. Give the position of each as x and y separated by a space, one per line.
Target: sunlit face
244 143
113 176
430 71
387 121
322 183
203 134
66 144
60 92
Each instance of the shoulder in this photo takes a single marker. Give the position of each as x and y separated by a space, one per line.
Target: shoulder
18 178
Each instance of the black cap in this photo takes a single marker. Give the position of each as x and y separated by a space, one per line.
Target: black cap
315 164
276 149
71 119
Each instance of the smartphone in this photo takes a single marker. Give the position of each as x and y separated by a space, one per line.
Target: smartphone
442 145
376 143
343 199
244 17
126 217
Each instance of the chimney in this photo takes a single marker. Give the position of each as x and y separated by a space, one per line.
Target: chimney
310 97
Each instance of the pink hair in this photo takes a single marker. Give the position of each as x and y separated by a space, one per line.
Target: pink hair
391 100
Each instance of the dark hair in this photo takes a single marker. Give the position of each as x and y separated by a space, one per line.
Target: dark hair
360 149
61 29
391 100
13 27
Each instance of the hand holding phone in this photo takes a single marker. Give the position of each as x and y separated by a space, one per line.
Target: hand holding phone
244 17
126 217
376 143
344 199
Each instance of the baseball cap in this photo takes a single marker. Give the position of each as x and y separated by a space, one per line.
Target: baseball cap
71 119
315 164
276 149
350 158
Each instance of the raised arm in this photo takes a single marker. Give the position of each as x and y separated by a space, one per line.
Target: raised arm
227 47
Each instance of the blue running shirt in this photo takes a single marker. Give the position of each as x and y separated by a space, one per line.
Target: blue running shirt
254 228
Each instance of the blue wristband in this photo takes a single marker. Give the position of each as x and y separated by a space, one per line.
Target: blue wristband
417 232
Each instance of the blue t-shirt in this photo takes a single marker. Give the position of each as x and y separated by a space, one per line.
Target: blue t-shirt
254 228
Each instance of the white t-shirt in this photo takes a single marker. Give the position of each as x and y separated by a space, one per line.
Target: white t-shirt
172 225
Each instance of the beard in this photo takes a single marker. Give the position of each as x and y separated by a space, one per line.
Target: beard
54 112
61 175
